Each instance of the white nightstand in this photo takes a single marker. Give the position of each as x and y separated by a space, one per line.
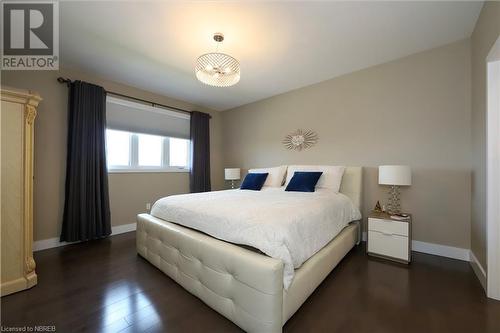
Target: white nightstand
389 238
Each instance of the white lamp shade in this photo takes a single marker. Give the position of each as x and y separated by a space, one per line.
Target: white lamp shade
394 175
232 173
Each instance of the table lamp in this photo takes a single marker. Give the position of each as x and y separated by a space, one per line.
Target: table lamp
232 174
395 176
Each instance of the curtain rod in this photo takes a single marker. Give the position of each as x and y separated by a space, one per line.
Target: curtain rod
68 81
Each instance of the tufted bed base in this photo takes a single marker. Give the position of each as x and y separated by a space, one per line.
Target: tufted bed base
242 285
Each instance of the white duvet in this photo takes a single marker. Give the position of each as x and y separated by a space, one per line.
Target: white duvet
291 226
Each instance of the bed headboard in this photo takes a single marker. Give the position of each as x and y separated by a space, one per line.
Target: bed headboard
352 183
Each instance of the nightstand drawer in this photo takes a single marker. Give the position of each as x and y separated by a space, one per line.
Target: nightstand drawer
388 227
388 245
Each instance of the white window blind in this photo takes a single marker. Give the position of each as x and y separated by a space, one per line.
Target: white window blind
135 117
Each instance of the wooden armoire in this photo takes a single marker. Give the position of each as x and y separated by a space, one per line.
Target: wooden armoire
17 116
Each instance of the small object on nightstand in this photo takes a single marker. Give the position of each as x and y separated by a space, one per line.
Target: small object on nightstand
389 236
377 208
400 217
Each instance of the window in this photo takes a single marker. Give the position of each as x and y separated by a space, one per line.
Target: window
150 150
128 151
118 148
179 152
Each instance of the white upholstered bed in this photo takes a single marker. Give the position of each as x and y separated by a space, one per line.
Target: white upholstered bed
245 286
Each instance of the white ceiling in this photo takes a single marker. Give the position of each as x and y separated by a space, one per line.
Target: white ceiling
281 46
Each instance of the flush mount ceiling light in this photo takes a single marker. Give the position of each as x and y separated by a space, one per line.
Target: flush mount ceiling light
218 69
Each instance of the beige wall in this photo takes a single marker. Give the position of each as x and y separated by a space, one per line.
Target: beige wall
414 111
485 34
130 192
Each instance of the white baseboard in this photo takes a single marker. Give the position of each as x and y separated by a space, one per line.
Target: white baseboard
123 228
438 250
54 242
478 269
441 250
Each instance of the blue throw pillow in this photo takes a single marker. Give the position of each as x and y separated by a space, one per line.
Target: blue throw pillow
254 181
303 181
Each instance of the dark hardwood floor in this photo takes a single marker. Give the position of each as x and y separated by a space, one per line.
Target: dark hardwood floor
104 286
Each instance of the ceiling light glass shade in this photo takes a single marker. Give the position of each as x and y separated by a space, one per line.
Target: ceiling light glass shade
218 69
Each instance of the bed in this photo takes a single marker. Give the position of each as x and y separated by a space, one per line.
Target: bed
255 291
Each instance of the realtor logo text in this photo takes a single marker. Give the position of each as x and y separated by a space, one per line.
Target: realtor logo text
30 35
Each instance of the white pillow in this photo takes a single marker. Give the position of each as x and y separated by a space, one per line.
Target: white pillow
275 175
330 179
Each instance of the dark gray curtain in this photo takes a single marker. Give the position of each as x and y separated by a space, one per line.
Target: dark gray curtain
199 177
86 206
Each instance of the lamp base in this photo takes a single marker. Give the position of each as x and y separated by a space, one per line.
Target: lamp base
394 203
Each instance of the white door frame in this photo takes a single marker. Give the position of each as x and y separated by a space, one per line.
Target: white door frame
493 172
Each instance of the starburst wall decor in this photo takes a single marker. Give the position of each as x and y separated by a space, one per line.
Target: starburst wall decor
300 139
